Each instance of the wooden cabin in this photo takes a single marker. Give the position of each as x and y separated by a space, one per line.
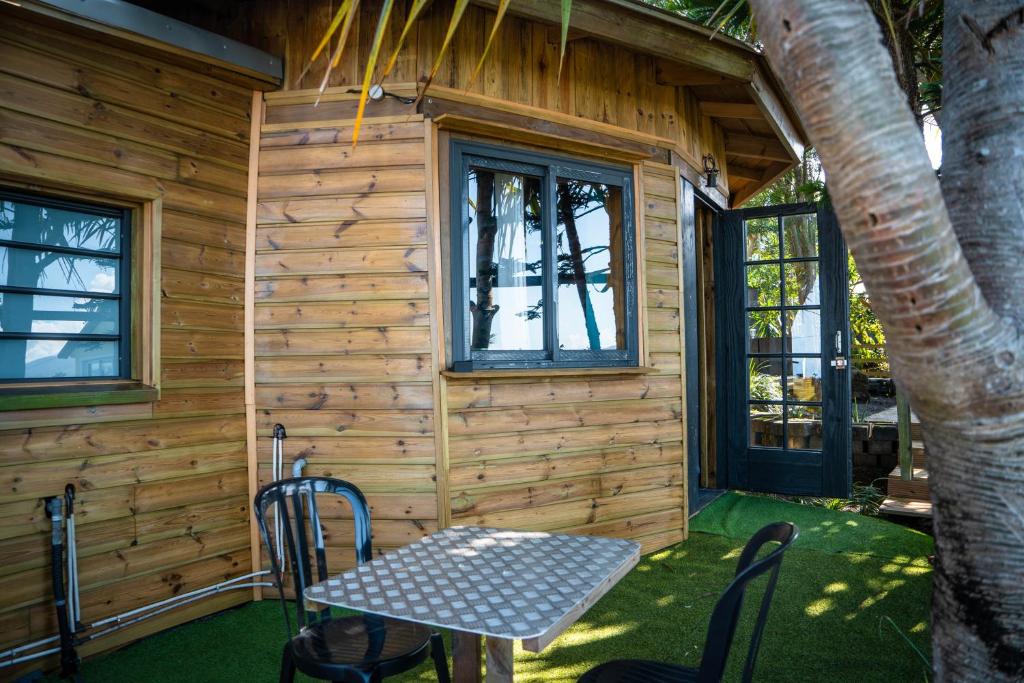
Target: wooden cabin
222 259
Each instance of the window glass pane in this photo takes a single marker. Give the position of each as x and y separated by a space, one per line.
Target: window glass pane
49 270
762 238
802 284
505 261
800 235
803 427
765 379
55 359
764 331
78 229
803 329
591 281
804 381
763 285
57 314
765 426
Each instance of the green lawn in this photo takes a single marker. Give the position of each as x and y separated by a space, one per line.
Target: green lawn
839 582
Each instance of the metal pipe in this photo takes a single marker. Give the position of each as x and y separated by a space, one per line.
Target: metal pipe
74 599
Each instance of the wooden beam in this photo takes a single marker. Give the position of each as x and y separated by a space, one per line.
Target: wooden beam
770 175
743 172
673 73
777 116
732 110
646 31
756 147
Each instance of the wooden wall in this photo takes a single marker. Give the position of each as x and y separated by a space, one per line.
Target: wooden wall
162 486
343 352
589 454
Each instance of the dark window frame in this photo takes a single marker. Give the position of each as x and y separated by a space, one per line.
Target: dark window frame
123 296
549 168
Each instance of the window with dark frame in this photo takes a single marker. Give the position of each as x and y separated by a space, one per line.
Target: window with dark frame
65 304
543 261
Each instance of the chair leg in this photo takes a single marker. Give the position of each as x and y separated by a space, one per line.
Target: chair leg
440 658
287 665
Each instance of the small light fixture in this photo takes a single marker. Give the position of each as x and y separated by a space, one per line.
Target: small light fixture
710 170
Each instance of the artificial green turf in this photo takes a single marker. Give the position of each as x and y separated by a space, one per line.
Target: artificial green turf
842 578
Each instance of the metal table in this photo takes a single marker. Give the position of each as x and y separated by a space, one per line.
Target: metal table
502 584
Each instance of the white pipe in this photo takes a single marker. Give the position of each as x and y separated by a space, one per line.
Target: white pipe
74 604
278 474
119 622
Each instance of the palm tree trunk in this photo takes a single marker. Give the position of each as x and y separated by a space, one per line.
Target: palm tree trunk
954 337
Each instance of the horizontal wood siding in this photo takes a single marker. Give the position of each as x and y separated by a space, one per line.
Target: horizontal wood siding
162 495
342 317
594 455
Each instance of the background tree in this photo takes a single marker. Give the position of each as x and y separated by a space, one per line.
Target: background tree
943 269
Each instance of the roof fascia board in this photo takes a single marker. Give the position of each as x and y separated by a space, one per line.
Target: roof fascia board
134 22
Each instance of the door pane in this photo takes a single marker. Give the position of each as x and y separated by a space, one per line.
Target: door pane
763 285
57 314
591 281
764 426
56 358
804 380
803 427
764 331
762 236
802 284
764 379
800 235
505 253
803 331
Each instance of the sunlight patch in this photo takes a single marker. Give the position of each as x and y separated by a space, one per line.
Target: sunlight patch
836 587
819 607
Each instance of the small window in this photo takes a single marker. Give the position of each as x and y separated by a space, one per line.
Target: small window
65 308
544 264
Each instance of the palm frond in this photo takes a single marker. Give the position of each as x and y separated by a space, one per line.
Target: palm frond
502 8
566 12
371 64
414 13
351 8
459 10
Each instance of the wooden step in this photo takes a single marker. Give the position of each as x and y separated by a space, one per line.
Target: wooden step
915 430
914 489
918 453
906 507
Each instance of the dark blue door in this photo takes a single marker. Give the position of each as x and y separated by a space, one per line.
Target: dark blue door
782 336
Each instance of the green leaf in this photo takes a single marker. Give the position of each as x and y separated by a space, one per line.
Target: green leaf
460 9
566 11
414 13
502 8
371 64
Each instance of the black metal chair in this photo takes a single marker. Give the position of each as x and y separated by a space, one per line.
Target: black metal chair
363 648
723 622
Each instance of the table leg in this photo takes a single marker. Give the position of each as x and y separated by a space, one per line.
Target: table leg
465 657
499 660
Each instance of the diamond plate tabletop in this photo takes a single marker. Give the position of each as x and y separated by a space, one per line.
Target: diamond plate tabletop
504 584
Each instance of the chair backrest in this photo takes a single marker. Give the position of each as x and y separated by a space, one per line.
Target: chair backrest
727 611
295 501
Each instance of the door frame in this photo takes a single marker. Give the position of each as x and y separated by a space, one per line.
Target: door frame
730 399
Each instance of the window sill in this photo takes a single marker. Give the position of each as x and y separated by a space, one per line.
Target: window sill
32 396
546 372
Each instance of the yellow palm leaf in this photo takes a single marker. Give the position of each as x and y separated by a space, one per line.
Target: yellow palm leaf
414 13
371 63
566 11
502 8
352 7
460 9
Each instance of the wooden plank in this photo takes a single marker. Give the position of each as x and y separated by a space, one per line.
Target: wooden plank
346 423
755 146
376 129
386 477
339 314
201 373
345 396
345 287
466 657
343 181
546 417
367 368
338 235
197 402
398 205
200 287
500 664
202 258
491 394
189 227
190 314
249 346
287 342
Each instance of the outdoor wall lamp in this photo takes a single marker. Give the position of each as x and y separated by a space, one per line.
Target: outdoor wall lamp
710 170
